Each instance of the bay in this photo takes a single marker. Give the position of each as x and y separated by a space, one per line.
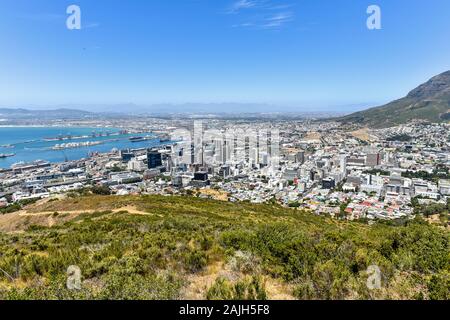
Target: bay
31 143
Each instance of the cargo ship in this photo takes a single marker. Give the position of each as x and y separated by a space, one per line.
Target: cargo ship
64 137
140 139
73 145
23 166
6 155
164 138
136 139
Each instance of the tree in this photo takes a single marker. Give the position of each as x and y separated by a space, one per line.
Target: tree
101 190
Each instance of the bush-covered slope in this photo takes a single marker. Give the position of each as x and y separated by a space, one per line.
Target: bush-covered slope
181 247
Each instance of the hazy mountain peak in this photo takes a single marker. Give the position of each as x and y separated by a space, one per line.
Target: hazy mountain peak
429 102
436 85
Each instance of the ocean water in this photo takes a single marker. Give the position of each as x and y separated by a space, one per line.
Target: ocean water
28 143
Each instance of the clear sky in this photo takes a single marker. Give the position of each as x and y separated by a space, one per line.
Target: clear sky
287 52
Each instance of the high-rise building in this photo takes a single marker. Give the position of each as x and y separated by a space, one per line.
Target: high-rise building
154 159
328 183
224 171
373 159
201 176
300 157
126 155
344 165
135 165
356 161
177 181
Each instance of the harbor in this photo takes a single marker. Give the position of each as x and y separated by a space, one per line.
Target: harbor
59 144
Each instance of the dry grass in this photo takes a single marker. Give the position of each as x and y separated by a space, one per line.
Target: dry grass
362 134
215 194
198 284
313 136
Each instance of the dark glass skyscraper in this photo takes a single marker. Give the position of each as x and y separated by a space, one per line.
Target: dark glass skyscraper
154 159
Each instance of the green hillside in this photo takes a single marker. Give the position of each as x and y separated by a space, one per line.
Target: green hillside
155 247
429 102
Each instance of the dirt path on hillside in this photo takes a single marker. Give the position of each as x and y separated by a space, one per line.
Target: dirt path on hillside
21 220
129 209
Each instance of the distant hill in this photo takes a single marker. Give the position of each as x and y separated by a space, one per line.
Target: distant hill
430 102
21 114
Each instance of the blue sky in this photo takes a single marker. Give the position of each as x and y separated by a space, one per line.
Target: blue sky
297 53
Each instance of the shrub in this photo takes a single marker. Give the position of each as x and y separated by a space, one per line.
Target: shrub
245 262
196 260
101 190
252 288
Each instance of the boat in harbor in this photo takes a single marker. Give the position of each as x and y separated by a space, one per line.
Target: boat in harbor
23 166
29 141
93 134
6 155
73 145
164 138
64 137
140 139
136 139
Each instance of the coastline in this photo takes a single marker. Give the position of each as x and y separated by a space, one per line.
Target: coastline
55 126
32 143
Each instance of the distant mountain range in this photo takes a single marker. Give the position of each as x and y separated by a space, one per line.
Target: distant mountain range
186 110
230 108
22 114
173 108
430 102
